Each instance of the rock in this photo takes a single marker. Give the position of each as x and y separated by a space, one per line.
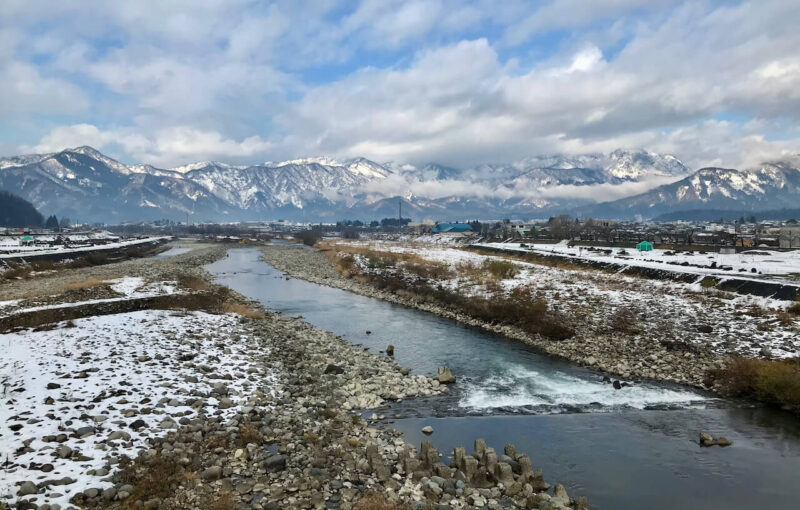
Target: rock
138 424
64 451
119 434
212 473
705 328
427 430
706 439
445 376
275 463
333 369
723 441
368 332
617 385
390 350
53 386
27 488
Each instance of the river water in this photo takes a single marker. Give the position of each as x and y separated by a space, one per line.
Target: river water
629 448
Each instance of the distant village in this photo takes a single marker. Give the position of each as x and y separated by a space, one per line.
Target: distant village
723 235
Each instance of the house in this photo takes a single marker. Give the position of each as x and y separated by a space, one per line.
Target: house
522 230
452 228
26 241
644 246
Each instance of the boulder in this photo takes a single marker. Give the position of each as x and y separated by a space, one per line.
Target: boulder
706 439
427 430
445 376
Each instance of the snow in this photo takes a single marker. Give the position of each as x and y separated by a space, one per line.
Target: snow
773 265
103 384
18 251
742 325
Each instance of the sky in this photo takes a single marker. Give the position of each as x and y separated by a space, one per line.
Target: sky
460 83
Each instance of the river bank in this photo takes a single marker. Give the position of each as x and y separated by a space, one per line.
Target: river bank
225 407
622 357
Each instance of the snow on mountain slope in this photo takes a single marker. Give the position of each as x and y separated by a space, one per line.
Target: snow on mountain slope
773 185
86 184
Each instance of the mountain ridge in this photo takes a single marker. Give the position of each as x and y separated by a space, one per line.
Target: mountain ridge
84 183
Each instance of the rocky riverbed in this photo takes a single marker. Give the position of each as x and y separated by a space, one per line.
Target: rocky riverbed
627 357
168 409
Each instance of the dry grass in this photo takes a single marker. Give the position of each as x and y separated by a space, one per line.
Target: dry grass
775 382
625 321
501 269
192 283
243 310
375 501
221 501
794 309
249 434
89 283
152 477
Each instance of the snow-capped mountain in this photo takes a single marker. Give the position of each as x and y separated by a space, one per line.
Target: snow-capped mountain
774 185
85 184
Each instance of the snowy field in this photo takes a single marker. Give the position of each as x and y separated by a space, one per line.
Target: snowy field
15 251
77 397
740 325
767 264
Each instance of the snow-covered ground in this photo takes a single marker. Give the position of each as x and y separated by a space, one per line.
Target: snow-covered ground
71 396
742 325
127 287
767 264
15 251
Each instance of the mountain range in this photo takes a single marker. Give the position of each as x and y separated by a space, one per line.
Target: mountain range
86 185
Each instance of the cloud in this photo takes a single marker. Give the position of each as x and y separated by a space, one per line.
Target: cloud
167 147
456 82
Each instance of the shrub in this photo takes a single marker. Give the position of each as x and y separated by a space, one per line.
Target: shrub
776 382
89 283
151 477
501 269
625 321
243 310
375 501
192 282
307 237
794 309
249 434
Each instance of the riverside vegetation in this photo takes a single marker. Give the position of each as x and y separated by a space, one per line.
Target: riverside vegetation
200 399
615 335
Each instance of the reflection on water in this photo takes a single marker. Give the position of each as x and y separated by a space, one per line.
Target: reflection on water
606 444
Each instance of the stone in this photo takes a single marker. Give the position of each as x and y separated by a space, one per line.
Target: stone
560 495
53 386
138 424
64 451
445 376
333 369
390 350
274 463
706 439
427 430
723 441
617 385
27 488
119 434
212 473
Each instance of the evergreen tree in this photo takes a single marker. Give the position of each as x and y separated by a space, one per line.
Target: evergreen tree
51 223
18 212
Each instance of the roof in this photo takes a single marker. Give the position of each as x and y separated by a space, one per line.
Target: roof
26 238
452 227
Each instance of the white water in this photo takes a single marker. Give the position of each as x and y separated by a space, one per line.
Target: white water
522 386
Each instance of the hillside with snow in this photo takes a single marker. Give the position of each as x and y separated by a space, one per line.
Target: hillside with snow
89 186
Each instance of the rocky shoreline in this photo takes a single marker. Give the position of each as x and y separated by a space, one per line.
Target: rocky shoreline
622 357
262 419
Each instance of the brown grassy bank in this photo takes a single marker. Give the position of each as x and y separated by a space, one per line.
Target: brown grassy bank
417 278
772 381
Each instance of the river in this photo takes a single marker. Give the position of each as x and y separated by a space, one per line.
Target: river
629 448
